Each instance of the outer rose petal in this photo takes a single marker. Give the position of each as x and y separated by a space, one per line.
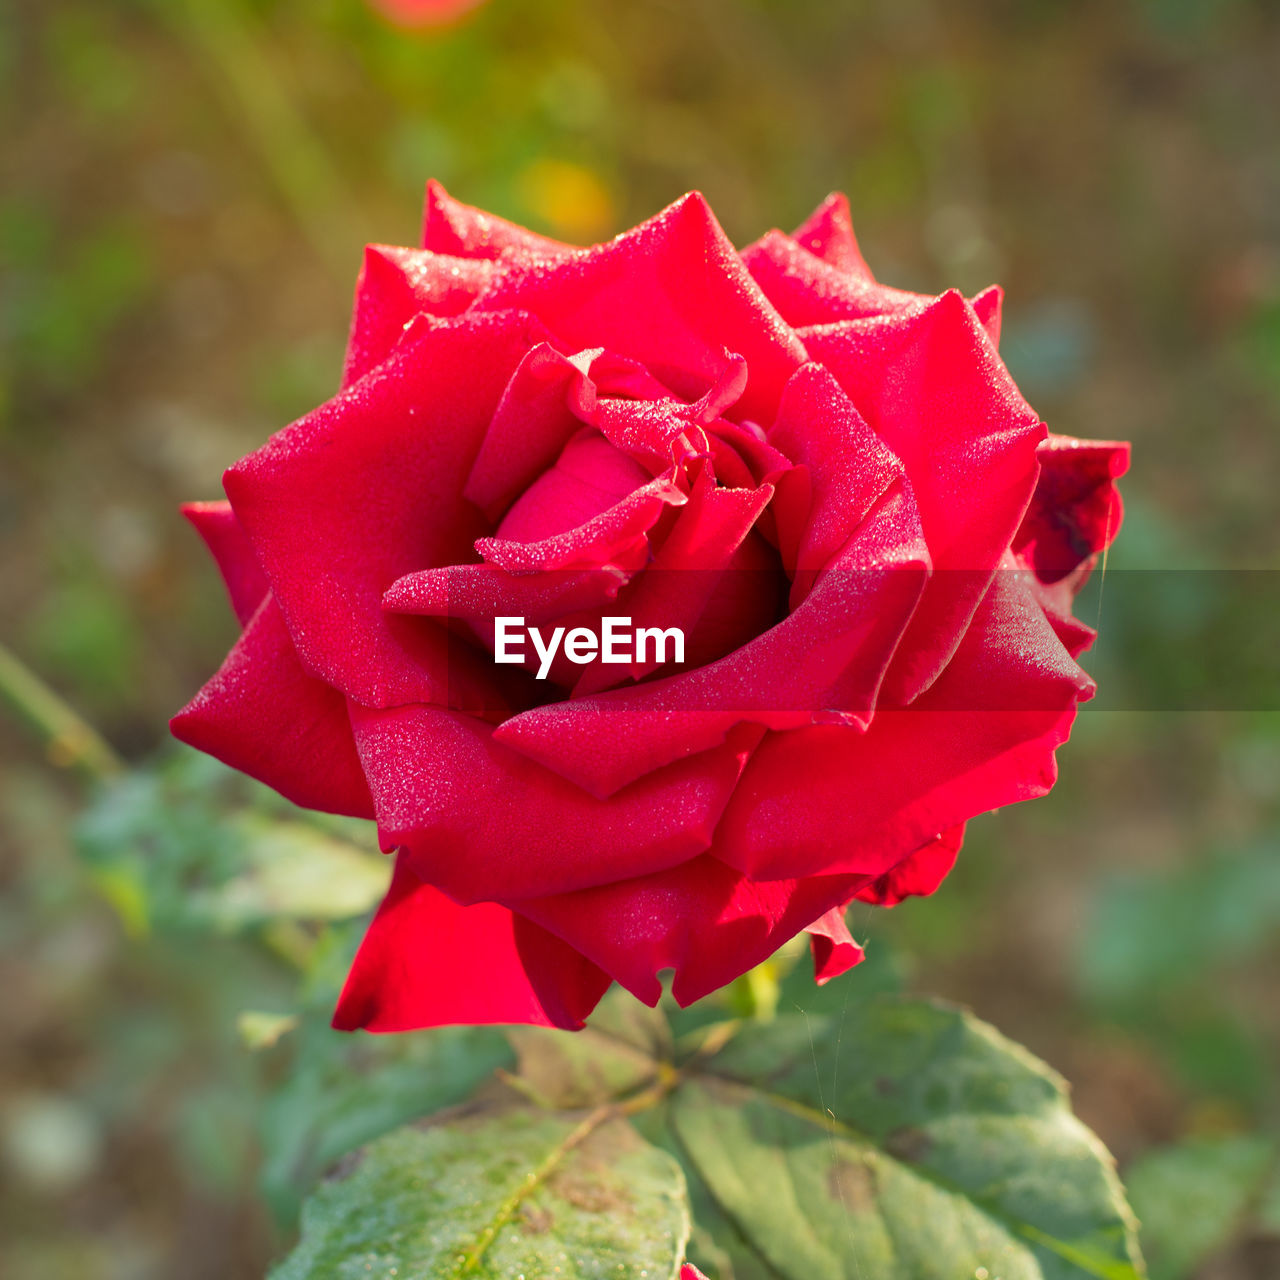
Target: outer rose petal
1076 510
830 801
833 947
1057 600
932 386
701 919
807 290
484 822
987 306
828 234
394 286
264 715
427 962
229 545
690 1272
917 875
368 488
673 294
449 226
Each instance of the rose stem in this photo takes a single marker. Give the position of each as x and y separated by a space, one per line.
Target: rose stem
69 740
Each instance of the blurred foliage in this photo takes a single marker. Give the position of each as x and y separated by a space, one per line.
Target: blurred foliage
186 189
191 845
1194 1196
1144 938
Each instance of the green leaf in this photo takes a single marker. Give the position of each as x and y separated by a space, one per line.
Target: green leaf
908 1140
1193 1196
346 1090
716 1246
618 1053
903 1141
500 1193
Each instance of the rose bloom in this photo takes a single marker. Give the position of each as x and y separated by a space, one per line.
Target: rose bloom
834 486
424 13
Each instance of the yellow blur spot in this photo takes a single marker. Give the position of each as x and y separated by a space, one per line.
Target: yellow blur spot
127 898
571 200
259 1030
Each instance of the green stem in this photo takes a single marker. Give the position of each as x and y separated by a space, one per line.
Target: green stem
755 994
70 742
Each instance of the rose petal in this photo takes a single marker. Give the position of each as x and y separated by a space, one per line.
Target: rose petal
918 874
547 400
1076 509
396 284
826 800
1057 599
589 477
830 654
672 294
427 962
368 488
833 947
806 290
264 715
230 547
530 426
483 822
701 919
610 537
931 385
828 234
761 462
449 226
987 306
481 592
653 432
849 467
692 577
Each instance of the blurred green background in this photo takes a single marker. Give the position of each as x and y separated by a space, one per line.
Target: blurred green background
187 185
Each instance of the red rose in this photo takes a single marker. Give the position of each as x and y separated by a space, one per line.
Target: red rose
833 486
424 13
